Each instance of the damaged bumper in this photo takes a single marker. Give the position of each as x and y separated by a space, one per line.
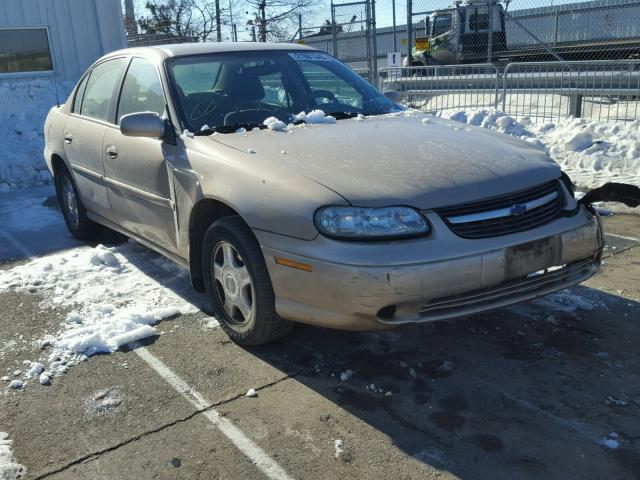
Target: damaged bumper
360 286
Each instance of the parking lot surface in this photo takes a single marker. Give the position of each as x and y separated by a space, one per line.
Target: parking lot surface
545 389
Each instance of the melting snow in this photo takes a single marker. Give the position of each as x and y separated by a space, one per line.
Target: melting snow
9 469
112 301
314 116
273 123
591 152
338 446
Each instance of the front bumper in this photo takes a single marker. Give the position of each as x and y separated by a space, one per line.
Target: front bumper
358 286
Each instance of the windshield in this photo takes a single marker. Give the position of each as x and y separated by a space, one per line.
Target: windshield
245 88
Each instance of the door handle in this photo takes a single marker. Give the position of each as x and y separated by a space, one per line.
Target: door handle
112 151
68 138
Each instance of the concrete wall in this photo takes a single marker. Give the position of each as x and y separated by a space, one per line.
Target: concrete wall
80 31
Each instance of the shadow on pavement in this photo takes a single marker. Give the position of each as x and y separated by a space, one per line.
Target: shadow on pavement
521 392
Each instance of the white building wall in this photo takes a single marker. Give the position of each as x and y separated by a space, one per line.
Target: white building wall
80 31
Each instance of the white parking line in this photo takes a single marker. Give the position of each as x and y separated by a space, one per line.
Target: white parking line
16 244
258 456
623 237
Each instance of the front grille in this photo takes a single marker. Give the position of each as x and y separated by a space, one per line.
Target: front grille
500 216
508 292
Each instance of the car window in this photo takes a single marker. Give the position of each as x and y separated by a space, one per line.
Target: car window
77 102
242 89
197 76
442 24
323 81
100 89
141 90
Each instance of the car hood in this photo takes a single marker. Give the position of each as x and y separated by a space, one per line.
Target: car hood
402 159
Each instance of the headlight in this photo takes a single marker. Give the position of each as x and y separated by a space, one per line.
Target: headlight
361 223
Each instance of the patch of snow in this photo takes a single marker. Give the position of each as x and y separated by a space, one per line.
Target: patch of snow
314 116
273 123
209 323
564 301
591 152
611 441
346 375
113 301
16 384
338 446
9 468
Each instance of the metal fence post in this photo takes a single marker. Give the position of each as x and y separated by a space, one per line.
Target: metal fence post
374 76
409 32
334 29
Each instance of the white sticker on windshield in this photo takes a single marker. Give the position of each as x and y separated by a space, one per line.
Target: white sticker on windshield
311 56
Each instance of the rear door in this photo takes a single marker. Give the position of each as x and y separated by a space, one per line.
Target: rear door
136 169
84 132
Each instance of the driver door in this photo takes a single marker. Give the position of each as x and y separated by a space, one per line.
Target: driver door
136 169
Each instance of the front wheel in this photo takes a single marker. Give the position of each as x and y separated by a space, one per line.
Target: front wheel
238 284
73 211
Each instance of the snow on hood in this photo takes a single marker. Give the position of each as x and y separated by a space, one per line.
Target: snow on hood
406 158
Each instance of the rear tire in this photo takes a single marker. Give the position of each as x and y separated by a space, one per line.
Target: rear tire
73 211
238 284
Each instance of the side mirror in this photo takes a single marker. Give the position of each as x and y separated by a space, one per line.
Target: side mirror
142 124
393 95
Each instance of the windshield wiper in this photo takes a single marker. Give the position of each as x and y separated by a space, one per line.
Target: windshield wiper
343 115
230 128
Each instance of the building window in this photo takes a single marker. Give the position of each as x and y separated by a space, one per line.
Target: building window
25 50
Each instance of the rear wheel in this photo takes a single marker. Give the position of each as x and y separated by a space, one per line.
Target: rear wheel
238 284
73 211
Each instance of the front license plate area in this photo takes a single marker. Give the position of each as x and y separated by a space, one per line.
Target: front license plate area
526 258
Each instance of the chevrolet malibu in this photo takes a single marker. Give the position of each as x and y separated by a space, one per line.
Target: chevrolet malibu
294 191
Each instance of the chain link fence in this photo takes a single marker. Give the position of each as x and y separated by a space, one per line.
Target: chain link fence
492 31
543 59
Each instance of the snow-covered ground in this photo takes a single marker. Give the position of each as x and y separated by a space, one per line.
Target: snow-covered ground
9 468
592 153
115 295
24 106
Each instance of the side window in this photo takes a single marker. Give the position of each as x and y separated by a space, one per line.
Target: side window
141 90
77 101
324 83
442 24
100 89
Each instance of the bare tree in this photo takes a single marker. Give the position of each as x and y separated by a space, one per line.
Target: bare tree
197 19
278 19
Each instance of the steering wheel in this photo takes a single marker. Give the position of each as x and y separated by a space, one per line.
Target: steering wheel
257 109
203 108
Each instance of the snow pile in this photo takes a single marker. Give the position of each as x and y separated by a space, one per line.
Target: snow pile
9 469
25 104
273 123
611 441
113 301
314 116
592 153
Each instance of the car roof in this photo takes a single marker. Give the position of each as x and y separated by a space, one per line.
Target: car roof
182 49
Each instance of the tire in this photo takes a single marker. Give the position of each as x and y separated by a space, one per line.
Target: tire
232 257
73 211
